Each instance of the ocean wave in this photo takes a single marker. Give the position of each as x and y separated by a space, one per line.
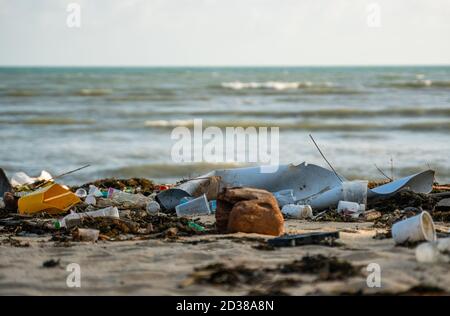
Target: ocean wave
93 92
53 121
169 123
21 93
257 124
274 87
321 113
304 126
419 83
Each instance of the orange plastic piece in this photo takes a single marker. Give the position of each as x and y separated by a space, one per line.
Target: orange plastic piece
53 199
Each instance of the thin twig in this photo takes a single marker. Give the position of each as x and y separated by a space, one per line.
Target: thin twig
392 168
69 172
381 171
61 175
323 156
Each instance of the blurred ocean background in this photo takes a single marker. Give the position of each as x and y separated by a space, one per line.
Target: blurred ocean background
119 120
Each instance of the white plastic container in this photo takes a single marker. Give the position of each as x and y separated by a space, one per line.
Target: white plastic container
348 207
197 206
416 228
297 211
111 211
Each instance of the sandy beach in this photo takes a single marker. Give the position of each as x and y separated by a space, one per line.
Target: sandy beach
165 267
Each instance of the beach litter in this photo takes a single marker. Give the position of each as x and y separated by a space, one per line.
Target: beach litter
85 234
414 229
310 184
73 219
316 238
197 206
54 199
297 211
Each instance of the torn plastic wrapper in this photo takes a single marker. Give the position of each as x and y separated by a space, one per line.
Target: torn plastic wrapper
311 184
21 178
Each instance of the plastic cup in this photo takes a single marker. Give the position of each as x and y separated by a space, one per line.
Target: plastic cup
348 207
198 206
86 234
355 191
416 228
81 193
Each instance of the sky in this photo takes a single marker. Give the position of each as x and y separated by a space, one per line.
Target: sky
225 32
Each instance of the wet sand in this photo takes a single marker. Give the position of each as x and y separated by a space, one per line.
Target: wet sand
161 267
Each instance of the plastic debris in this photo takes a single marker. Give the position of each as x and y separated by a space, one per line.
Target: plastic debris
311 184
213 206
196 226
54 199
413 229
297 211
21 178
81 193
198 206
111 212
86 234
90 200
302 239
123 197
284 197
170 198
94 191
347 207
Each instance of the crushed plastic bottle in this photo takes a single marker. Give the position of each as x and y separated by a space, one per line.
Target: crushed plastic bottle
124 197
111 211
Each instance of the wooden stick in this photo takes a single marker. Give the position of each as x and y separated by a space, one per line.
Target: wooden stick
323 156
381 171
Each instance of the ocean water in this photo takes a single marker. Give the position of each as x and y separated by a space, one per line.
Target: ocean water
120 120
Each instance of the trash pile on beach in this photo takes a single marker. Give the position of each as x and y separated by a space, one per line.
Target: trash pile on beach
246 200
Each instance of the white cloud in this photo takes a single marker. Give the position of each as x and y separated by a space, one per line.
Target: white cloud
224 32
